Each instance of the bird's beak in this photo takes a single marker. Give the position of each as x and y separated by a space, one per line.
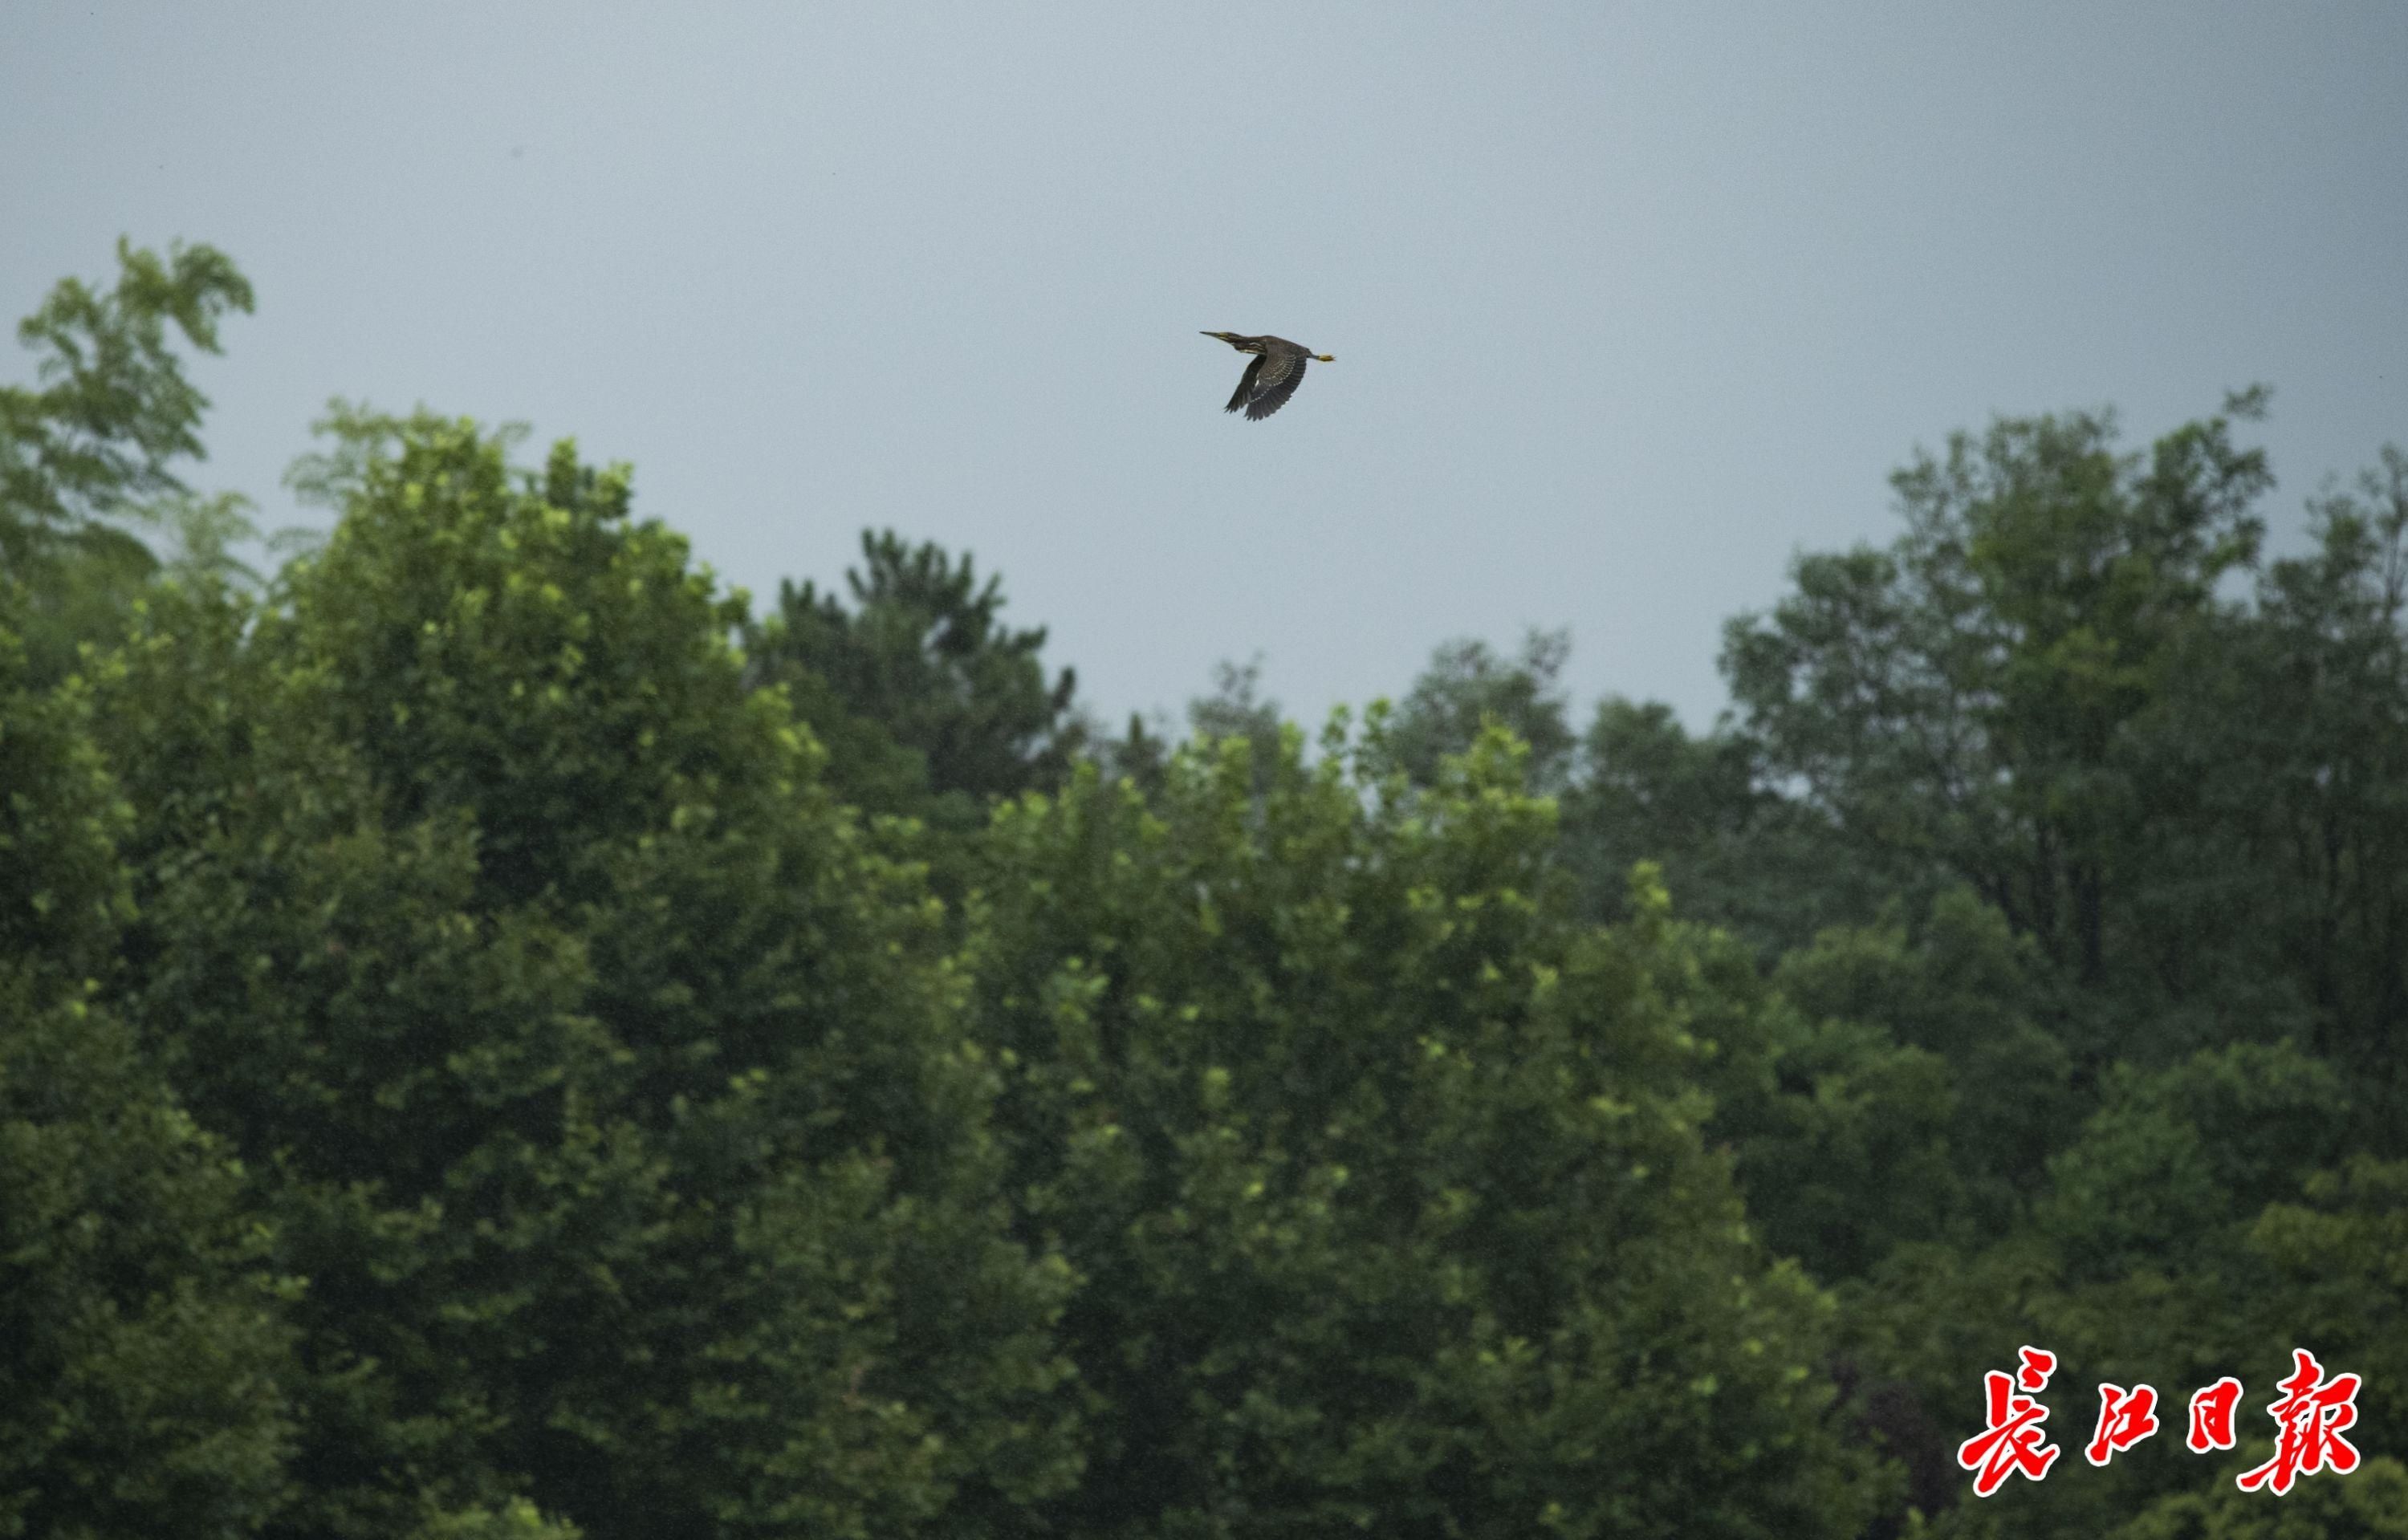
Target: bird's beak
1325 358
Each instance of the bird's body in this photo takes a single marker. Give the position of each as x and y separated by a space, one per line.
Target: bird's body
1277 370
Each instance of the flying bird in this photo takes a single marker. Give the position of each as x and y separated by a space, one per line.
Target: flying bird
1277 370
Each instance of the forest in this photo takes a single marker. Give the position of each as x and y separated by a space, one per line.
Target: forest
501 1036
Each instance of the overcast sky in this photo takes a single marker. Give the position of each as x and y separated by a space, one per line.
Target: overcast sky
1630 303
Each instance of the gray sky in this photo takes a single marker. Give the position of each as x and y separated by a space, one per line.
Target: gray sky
1629 302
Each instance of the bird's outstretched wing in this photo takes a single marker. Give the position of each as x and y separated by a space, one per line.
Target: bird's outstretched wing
1246 384
1273 379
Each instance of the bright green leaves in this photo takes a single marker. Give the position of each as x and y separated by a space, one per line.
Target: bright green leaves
488 648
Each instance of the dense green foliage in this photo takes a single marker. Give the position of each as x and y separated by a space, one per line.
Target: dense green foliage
88 457
1383 1172
497 1040
148 1379
929 704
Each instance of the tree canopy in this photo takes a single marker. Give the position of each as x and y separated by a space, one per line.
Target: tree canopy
499 1041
